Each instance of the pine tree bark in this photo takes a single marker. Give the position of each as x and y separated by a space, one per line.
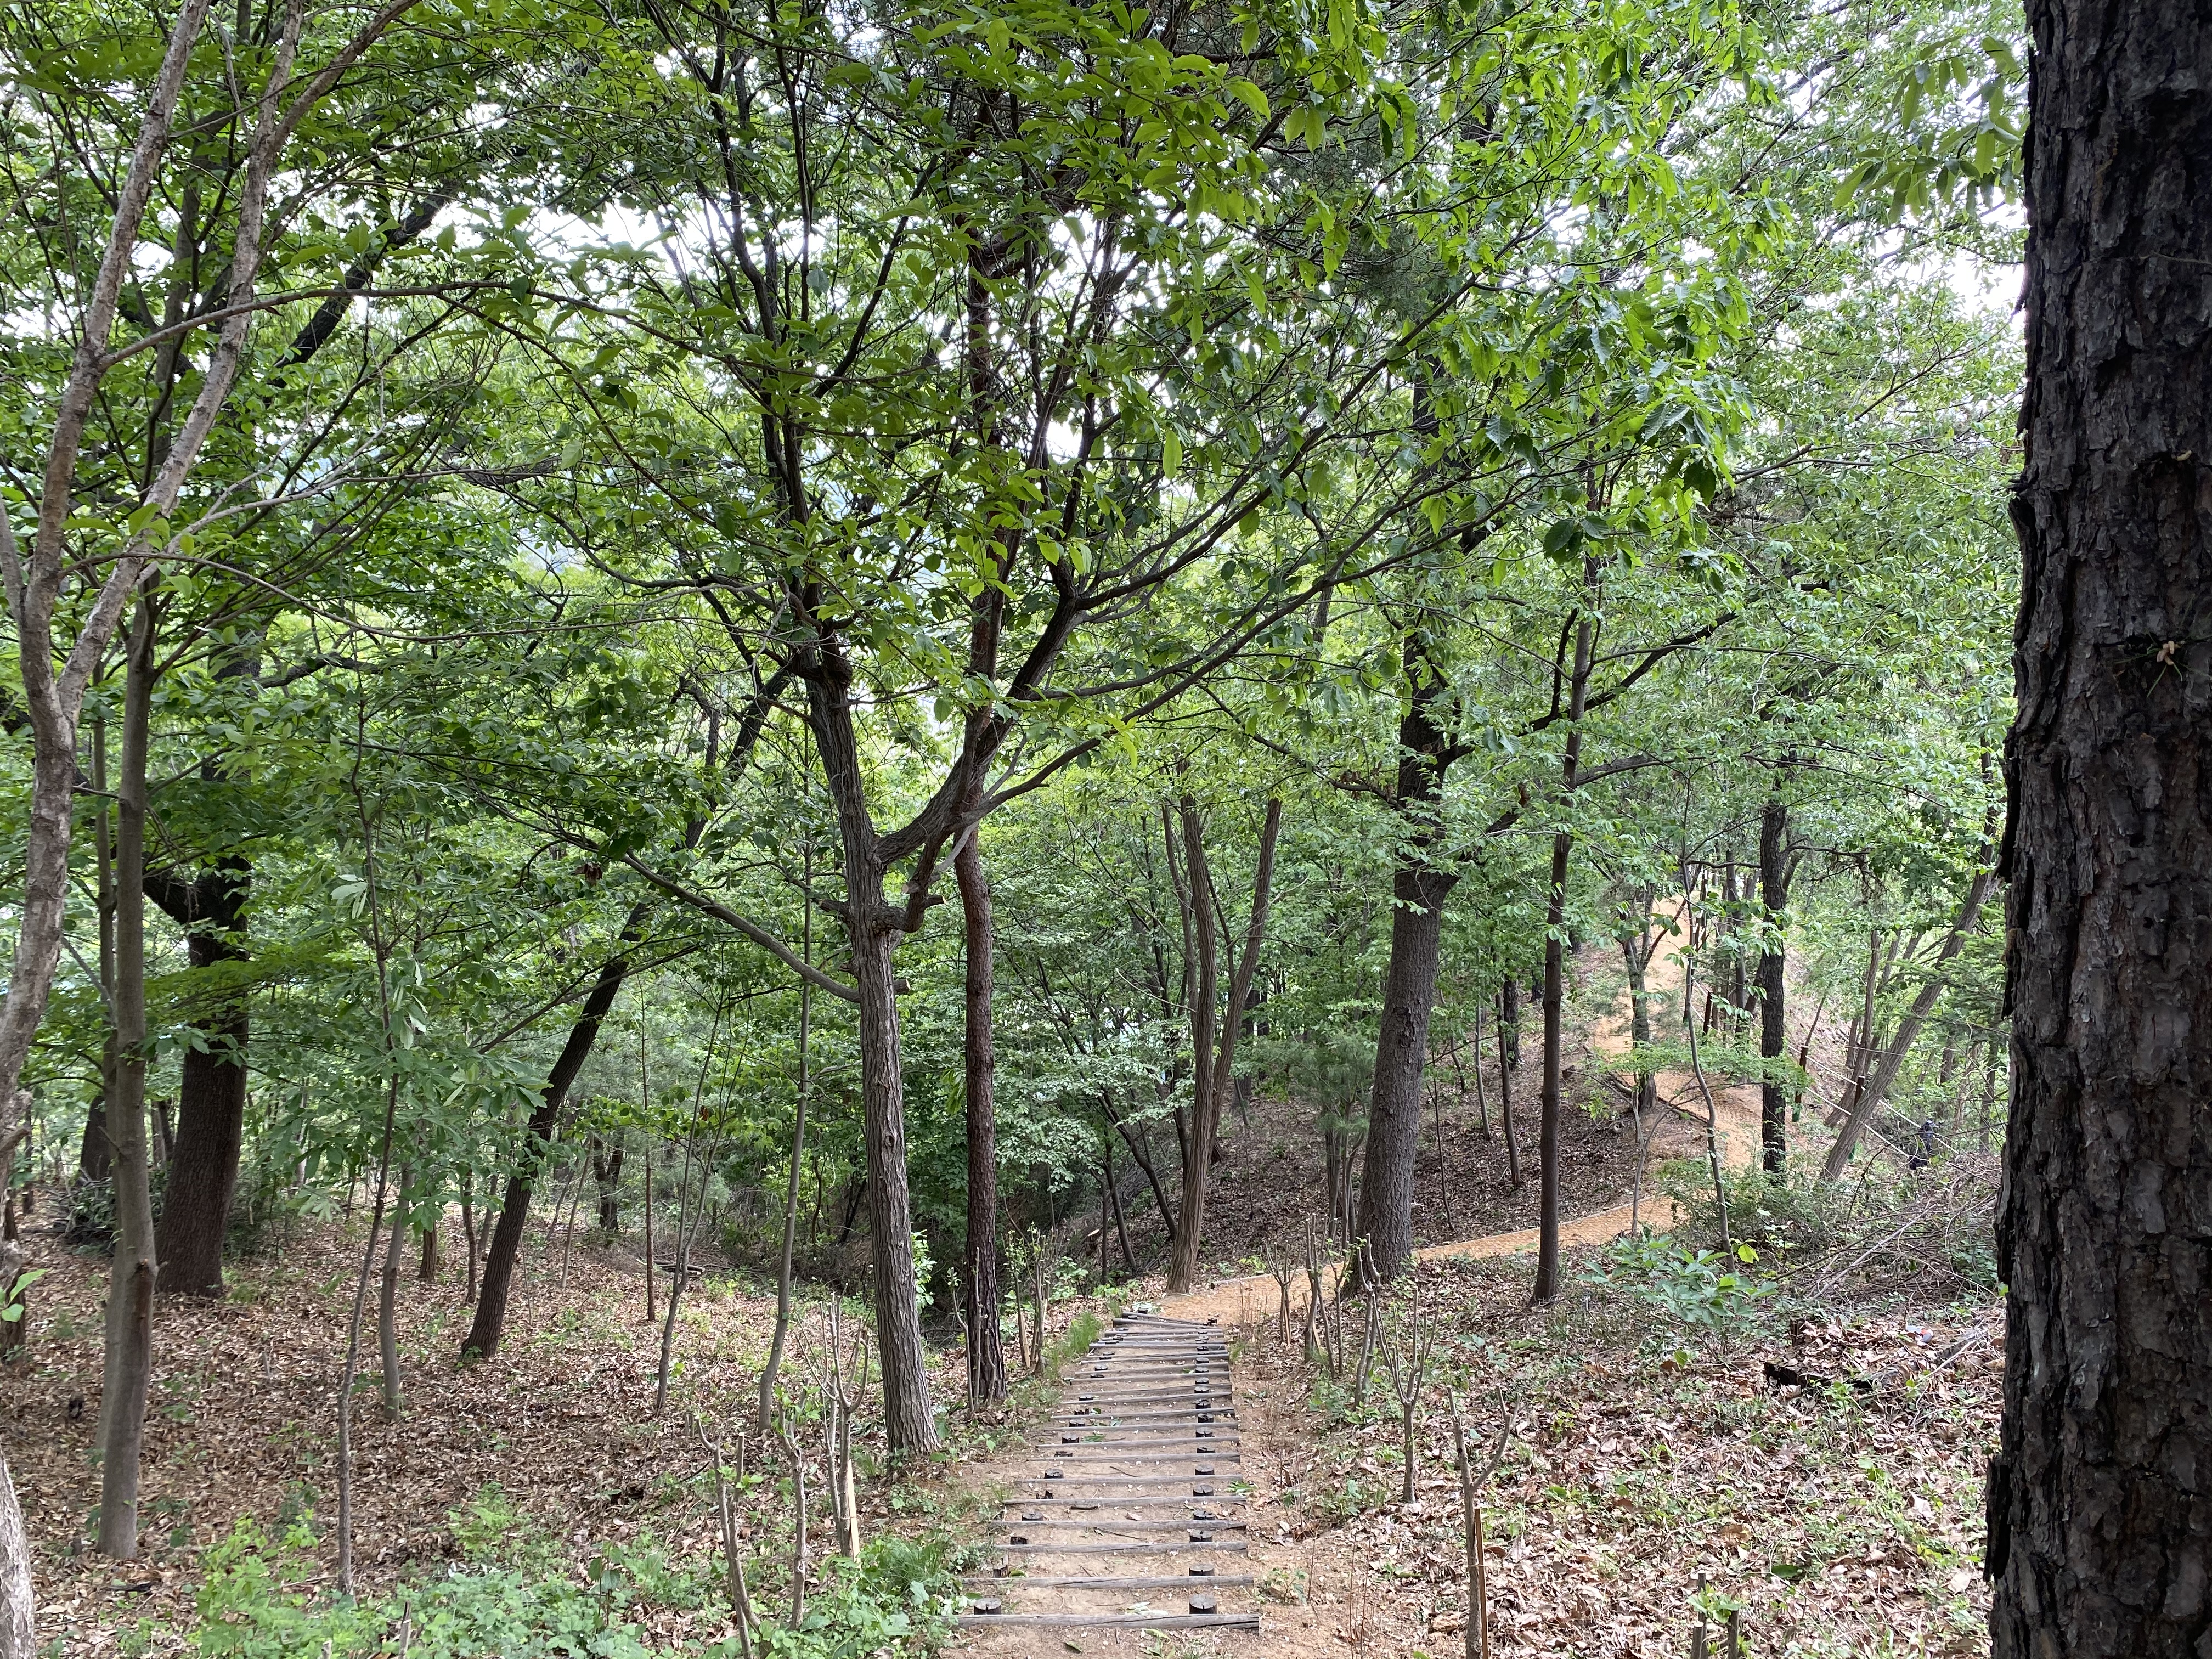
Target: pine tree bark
987 1354
1418 888
489 1323
1773 1032
2101 1515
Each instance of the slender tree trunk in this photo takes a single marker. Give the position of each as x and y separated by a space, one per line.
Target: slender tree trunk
128 1368
1636 951
490 1324
2101 1530
1206 1114
987 1356
1555 923
766 1413
387 1300
1509 1014
1509 1023
1870 1094
1418 888
1773 1031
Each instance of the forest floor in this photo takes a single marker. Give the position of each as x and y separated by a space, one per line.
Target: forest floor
1643 1453
1654 1472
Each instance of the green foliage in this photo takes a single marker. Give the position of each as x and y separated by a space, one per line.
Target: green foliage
1700 1290
515 1597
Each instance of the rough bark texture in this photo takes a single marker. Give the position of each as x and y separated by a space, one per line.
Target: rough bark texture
872 927
211 1086
2101 1498
987 1354
1418 891
489 1323
1773 1033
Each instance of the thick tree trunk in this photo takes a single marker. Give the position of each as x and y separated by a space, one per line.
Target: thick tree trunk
1418 891
1394 1111
2101 1526
908 1415
128 1368
986 1355
211 1091
1773 1033
1207 1110
1555 929
490 1324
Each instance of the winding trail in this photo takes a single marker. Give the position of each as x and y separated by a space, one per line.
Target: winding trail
1241 1302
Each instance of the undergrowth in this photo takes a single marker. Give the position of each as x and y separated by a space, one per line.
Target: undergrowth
511 1596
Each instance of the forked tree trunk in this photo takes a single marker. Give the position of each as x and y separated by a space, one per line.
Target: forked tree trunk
2100 1537
128 1368
1206 1109
490 1324
1773 1032
987 1354
1418 888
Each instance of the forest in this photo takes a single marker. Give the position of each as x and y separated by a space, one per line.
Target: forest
767 757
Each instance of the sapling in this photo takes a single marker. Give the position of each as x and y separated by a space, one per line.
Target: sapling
1470 1495
1408 1373
726 1510
787 1437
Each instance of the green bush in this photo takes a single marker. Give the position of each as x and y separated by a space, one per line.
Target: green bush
1701 1289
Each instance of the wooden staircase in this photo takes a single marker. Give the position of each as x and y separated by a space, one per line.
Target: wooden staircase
1142 1462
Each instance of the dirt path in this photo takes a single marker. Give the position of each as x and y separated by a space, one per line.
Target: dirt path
1242 1302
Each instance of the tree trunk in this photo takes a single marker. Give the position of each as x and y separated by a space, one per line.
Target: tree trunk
1207 1110
490 1324
1418 891
387 1300
987 1356
1870 1093
764 1417
2100 1519
606 1174
211 1085
1509 1023
1555 922
1773 1033
1509 1012
128 1368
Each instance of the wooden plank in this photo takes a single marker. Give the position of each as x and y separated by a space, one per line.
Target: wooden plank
1189 1581
1118 1621
1231 1546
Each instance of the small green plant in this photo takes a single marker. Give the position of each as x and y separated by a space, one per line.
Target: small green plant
1702 1289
